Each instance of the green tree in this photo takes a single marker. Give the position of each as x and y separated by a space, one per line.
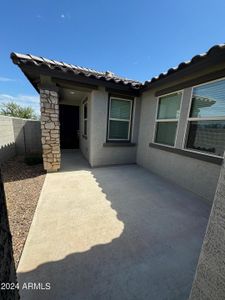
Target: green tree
13 109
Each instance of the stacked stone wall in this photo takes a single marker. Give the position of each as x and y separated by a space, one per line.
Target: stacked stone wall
50 130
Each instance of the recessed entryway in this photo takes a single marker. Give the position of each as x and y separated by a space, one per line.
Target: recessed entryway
69 126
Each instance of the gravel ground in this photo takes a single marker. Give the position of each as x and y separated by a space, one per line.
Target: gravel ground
23 184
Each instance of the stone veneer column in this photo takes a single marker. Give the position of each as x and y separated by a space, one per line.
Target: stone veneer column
50 129
209 282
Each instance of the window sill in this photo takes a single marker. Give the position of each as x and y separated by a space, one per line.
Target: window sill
119 144
200 156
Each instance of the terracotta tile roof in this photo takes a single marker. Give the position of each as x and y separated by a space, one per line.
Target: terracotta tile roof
77 70
21 59
197 58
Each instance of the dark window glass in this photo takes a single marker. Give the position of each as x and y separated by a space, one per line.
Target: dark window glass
207 136
85 127
118 129
85 111
166 133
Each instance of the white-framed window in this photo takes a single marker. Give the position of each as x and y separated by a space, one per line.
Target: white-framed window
167 117
206 122
85 116
119 119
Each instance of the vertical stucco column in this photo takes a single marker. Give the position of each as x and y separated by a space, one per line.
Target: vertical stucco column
50 129
209 282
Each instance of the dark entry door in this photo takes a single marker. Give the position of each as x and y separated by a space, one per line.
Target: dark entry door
69 126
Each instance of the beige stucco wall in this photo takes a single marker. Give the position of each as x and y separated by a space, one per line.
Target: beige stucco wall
100 155
209 282
196 175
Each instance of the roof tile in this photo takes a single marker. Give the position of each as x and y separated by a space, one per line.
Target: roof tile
108 75
53 64
197 58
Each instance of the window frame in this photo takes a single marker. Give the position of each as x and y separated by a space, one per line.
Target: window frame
156 121
108 139
85 103
191 119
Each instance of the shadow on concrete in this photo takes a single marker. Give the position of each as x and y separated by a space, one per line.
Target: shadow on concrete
154 258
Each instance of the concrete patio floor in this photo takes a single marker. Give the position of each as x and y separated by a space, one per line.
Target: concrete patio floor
119 233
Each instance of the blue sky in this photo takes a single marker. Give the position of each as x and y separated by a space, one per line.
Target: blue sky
135 39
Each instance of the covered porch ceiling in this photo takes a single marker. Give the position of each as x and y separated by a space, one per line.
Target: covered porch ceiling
71 96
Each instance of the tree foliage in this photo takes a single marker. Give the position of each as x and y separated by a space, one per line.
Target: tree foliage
13 109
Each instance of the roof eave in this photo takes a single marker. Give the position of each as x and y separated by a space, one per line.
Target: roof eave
206 63
40 63
38 71
215 55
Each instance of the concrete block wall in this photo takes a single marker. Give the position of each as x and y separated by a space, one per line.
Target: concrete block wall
7 141
18 125
209 282
27 134
18 136
32 137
